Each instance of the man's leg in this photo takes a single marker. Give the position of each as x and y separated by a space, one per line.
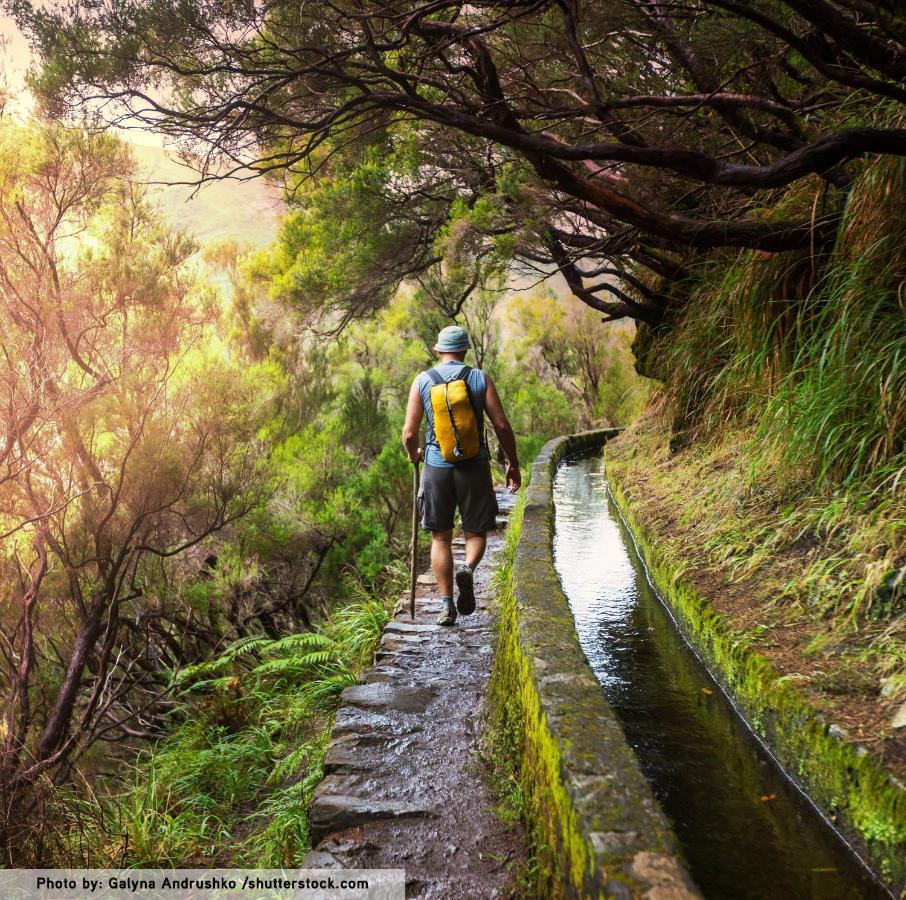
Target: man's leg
442 566
439 504
476 541
442 560
478 506
475 544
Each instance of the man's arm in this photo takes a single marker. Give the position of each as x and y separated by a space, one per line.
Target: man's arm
412 423
504 431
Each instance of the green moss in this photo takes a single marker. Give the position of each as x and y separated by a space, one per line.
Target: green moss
556 735
845 781
534 757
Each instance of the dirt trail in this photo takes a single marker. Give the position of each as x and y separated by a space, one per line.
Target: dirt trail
403 786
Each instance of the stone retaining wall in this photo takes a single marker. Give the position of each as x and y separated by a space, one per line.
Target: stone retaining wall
597 828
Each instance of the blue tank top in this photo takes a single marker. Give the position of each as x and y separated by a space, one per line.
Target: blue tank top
449 371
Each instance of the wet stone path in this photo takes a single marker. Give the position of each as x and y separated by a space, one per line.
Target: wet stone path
403 785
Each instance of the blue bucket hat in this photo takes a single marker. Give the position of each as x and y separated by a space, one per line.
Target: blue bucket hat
452 339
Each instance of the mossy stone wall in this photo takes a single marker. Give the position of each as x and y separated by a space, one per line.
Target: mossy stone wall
596 828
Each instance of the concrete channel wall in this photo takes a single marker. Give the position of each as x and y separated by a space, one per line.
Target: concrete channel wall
597 828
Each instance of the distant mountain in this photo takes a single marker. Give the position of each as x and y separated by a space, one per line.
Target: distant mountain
247 211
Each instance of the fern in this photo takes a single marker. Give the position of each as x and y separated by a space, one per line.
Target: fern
249 753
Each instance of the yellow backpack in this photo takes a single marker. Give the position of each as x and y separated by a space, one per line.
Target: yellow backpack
456 422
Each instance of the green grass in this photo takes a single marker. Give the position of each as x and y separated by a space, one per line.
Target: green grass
785 394
804 556
500 748
809 350
230 785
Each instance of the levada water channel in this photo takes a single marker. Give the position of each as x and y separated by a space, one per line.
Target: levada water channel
745 829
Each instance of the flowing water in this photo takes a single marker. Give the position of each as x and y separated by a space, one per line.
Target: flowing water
745 829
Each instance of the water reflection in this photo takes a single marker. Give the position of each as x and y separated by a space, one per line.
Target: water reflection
745 830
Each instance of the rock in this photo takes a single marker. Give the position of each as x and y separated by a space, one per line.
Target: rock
899 720
401 608
397 643
422 604
345 755
615 843
664 875
838 732
366 694
318 859
336 812
409 700
426 578
559 678
352 720
409 628
401 638
428 604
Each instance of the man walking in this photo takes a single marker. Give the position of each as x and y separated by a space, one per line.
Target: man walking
457 471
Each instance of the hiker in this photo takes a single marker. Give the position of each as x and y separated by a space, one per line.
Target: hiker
457 472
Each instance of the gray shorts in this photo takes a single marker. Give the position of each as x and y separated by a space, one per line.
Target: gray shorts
468 486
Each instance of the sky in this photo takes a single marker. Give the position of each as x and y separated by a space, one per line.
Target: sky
16 59
209 214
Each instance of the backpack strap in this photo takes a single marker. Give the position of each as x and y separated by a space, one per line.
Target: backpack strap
479 419
437 378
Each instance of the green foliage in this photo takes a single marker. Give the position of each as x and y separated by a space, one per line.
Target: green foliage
249 735
118 459
232 782
351 230
810 351
249 448
567 369
843 403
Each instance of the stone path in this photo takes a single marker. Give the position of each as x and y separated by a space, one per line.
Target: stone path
403 786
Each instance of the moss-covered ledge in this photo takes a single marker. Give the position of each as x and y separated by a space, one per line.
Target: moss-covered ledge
865 802
595 827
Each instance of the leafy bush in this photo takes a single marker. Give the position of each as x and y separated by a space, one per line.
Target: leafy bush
230 785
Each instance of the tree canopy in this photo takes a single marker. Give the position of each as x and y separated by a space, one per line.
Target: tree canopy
607 140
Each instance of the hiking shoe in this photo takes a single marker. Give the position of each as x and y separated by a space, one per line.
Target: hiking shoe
465 602
448 616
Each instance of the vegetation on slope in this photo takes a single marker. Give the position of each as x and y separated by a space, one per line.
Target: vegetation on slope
184 472
230 785
773 462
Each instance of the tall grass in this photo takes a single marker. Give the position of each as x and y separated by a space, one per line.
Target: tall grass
230 785
843 403
809 351
786 378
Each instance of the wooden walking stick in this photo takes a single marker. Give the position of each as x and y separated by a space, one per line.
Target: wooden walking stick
414 572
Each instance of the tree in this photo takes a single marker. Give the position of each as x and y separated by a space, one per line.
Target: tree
590 363
112 454
607 139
